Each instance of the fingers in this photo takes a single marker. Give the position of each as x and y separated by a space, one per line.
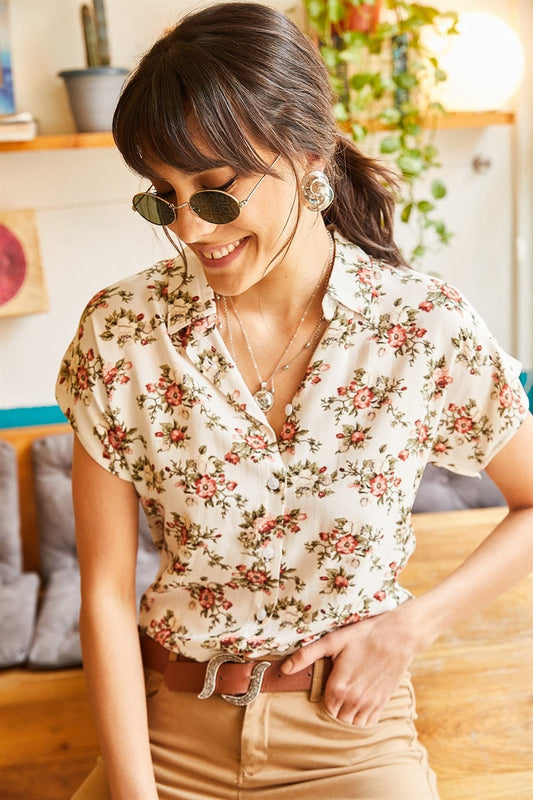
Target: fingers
303 657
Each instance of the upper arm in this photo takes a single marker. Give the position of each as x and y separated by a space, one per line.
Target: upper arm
106 511
512 467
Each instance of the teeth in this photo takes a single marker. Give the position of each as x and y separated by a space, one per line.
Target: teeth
223 251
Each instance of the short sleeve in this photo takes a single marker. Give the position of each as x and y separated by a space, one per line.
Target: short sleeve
483 400
90 372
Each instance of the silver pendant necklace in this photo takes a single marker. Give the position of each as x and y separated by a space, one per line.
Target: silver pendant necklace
264 396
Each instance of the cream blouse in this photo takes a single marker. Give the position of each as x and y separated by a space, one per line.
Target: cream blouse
265 544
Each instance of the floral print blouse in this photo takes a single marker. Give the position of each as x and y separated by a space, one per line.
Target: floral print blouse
266 544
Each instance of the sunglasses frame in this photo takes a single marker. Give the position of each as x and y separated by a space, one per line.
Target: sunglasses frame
175 208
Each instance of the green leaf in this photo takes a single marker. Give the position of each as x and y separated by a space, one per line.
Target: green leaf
390 144
336 10
406 212
339 109
424 206
440 75
410 166
438 189
358 132
390 116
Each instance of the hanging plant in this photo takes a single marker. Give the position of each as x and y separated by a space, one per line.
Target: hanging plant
384 77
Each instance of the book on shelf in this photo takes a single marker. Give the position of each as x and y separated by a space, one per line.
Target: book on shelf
19 127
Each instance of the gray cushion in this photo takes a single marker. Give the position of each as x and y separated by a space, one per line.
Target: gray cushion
443 490
56 642
18 591
10 547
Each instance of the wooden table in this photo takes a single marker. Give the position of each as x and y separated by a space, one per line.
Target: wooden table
475 685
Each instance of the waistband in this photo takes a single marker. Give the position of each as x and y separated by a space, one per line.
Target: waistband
230 676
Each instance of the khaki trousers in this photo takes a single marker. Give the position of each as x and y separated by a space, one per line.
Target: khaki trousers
280 747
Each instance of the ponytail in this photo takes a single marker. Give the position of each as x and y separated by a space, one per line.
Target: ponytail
363 208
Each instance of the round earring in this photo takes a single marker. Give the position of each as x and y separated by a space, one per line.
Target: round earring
316 190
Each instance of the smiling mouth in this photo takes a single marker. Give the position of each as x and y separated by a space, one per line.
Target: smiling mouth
222 251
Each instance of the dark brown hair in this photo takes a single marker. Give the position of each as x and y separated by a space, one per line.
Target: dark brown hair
239 74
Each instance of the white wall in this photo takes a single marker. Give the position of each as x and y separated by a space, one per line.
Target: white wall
89 237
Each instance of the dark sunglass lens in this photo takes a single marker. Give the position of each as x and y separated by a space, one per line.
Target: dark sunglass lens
154 209
215 206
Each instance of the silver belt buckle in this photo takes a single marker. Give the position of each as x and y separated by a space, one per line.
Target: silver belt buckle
256 679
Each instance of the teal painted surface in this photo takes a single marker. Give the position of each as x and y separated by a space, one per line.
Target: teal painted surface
34 415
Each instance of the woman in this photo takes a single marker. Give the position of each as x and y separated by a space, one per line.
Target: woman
272 396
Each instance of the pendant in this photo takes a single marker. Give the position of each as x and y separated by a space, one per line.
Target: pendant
264 398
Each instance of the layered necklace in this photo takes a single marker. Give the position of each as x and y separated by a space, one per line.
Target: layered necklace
264 395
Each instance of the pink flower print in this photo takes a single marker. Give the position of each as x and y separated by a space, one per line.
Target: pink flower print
378 485
363 398
288 431
205 487
173 395
380 595
346 544
264 524
83 377
256 576
341 582
116 437
365 276
440 447
206 598
232 458
450 293
397 336
506 396
110 373
422 431
426 305
255 442
463 424
403 455
442 378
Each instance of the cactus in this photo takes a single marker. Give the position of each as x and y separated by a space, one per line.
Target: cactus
95 34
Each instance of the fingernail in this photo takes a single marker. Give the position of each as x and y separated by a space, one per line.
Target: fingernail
287 667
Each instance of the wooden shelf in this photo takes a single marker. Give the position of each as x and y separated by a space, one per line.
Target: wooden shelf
454 120
61 141
67 141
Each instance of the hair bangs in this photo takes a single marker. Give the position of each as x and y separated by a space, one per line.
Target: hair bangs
183 118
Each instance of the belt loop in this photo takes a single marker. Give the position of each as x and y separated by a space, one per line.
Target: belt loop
315 692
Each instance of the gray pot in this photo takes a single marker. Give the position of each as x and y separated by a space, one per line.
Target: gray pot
93 94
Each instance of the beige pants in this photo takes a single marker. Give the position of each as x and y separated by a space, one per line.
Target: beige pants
280 747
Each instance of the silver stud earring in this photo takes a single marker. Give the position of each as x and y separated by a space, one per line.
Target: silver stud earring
316 190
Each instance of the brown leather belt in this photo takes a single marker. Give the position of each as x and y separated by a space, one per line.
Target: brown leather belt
237 680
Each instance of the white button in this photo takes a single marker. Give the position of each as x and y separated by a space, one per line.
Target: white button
288 409
269 553
261 615
273 483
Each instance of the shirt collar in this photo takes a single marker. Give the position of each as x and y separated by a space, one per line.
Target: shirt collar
356 282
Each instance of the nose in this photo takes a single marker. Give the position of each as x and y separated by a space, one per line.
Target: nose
189 227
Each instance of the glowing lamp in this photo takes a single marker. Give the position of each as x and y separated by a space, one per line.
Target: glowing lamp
484 63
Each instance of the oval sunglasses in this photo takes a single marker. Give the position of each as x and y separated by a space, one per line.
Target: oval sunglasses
211 205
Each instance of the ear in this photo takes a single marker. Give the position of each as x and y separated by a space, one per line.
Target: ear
313 161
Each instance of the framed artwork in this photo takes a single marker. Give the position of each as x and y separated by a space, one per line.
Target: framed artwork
22 285
7 99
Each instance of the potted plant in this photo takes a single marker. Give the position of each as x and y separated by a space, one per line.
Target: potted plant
93 92
383 77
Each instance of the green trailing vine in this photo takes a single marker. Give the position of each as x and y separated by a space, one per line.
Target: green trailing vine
383 78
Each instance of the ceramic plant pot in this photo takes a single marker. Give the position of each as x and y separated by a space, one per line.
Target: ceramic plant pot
93 93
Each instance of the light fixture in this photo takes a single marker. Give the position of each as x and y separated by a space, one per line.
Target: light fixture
484 63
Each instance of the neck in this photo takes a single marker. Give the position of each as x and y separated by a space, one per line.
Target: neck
284 292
